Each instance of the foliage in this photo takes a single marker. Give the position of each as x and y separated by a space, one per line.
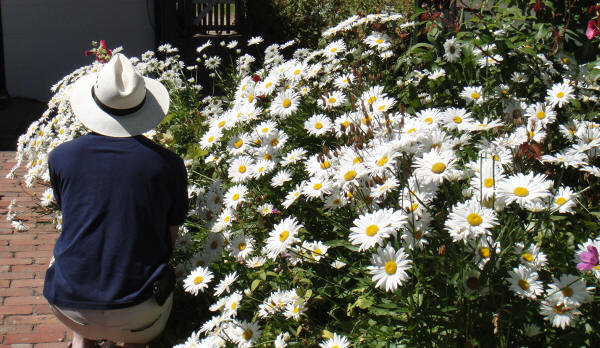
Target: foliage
382 191
304 21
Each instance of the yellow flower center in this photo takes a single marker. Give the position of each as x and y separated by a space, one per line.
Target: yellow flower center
242 169
390 267
560 309
247 334
331 100
333 49
540 115
268 84
357 160
211 138
429 120
382 161
297 72
382 107
346 124
438 167
238 143
236 197
241 246
475 95
318 125
221 124
250 98
521 191
350 175
372 100
227 218
267 157
560 200
286 103
523 284
484 252
560 94
412 130
284 235
372 230
379 41
474 219
198 280
274 142
325 165
317 186
527 257
414 206
317 251
296 310
567 292
489 182
457 119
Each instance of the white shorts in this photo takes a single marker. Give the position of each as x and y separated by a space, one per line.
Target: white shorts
137 324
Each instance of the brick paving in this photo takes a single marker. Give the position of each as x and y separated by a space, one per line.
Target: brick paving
25 317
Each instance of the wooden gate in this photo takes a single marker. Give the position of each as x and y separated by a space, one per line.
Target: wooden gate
214 16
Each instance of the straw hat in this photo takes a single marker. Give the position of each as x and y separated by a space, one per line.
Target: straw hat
118 101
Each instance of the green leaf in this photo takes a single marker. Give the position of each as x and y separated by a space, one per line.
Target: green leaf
254 284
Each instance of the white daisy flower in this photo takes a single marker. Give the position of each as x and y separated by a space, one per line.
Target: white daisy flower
240 169
281 178
373 228
285 104
225 284
318 125
557 313
452 50
337 341
241 247
564 200
334 48
282 237
388 268
293 156
256 261
47 197
235 196
560 94
255 40
531 256
246 334
524 282
331 100
469 220
435 166
541 112
571 290
197 280
525 190
473 94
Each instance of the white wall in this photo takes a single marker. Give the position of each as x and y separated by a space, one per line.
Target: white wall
45 40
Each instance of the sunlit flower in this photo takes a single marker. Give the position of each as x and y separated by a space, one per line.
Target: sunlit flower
388 268
282 237
197 280
560 94
524 282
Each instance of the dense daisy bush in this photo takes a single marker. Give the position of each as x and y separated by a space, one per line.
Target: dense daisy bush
380 191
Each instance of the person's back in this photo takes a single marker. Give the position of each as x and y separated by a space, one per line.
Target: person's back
123 198
118 197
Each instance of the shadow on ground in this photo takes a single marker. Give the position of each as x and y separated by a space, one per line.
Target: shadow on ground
15 116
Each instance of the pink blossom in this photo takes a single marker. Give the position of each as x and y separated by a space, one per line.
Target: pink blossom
589 259
592 29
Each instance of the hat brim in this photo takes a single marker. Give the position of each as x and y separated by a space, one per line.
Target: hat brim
95 119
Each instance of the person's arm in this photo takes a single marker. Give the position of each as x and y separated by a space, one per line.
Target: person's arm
174 231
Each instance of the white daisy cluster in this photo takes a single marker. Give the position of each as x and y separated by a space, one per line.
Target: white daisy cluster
319 179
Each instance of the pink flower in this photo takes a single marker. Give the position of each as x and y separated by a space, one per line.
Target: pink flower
592 29
589 259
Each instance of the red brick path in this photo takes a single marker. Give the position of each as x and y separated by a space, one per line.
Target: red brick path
25 317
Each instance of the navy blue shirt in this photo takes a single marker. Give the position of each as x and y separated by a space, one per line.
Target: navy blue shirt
118 197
